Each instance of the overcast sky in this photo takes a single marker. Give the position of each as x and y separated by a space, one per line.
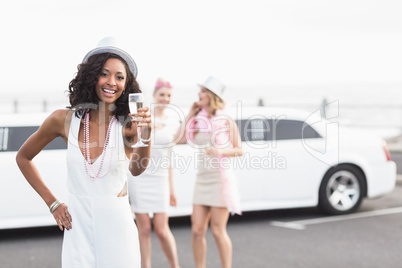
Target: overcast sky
256 42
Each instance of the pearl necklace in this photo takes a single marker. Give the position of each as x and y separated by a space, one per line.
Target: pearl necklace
87 158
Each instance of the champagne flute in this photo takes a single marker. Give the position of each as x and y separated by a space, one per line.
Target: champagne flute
135 102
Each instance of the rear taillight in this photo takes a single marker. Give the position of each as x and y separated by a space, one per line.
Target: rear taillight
386 151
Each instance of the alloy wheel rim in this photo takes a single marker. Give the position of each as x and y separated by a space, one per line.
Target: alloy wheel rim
343 190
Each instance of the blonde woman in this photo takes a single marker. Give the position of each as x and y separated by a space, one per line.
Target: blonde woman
215 192
153 191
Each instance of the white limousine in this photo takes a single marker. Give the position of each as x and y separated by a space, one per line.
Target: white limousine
291 159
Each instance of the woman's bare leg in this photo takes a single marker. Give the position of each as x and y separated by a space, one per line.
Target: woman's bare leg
199 225
219 219
166 238
144 232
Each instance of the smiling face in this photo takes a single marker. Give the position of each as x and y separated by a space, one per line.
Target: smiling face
204 98
162 96
111 81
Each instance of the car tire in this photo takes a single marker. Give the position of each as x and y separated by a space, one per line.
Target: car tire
342 190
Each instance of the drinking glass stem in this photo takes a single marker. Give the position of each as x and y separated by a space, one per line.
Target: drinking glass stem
139 134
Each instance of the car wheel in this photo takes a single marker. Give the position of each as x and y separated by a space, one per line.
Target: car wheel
342 190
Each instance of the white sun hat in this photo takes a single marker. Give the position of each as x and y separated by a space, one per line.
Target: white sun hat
214 85
111 45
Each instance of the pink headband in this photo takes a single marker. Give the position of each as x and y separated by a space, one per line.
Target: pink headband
161 83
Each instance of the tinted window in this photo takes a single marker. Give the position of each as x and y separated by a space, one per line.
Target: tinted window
11 139
275 129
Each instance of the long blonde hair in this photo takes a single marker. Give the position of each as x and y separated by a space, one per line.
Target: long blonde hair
215 103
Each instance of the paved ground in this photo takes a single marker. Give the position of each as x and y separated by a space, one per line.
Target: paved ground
360 240
372 237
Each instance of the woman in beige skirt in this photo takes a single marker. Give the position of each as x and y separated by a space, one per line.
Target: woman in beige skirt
215 192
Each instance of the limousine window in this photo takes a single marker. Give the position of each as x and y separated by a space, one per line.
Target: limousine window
11 139
271 129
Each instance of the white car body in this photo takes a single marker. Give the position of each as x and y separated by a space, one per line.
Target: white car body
271 186
280 168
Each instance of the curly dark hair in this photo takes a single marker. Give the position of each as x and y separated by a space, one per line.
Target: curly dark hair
81 89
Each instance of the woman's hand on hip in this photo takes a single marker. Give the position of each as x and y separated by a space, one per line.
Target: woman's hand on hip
63 217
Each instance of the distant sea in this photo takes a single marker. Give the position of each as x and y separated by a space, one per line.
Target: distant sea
376 108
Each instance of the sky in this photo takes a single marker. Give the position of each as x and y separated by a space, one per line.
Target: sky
244 43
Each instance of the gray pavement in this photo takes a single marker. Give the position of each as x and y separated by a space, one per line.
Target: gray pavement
372 240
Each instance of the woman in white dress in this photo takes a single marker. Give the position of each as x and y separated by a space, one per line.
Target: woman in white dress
153 191
215 191
99 230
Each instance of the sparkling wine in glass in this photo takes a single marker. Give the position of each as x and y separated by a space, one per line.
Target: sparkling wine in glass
135 102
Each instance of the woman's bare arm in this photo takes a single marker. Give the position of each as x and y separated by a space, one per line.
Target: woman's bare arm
235 140
51 128
173 201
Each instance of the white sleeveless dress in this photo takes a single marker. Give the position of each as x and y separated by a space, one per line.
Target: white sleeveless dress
150 191
103 232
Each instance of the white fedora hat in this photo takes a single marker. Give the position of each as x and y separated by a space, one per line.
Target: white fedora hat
110 45
214 85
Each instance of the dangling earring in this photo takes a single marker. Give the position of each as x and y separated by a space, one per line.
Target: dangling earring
124 91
